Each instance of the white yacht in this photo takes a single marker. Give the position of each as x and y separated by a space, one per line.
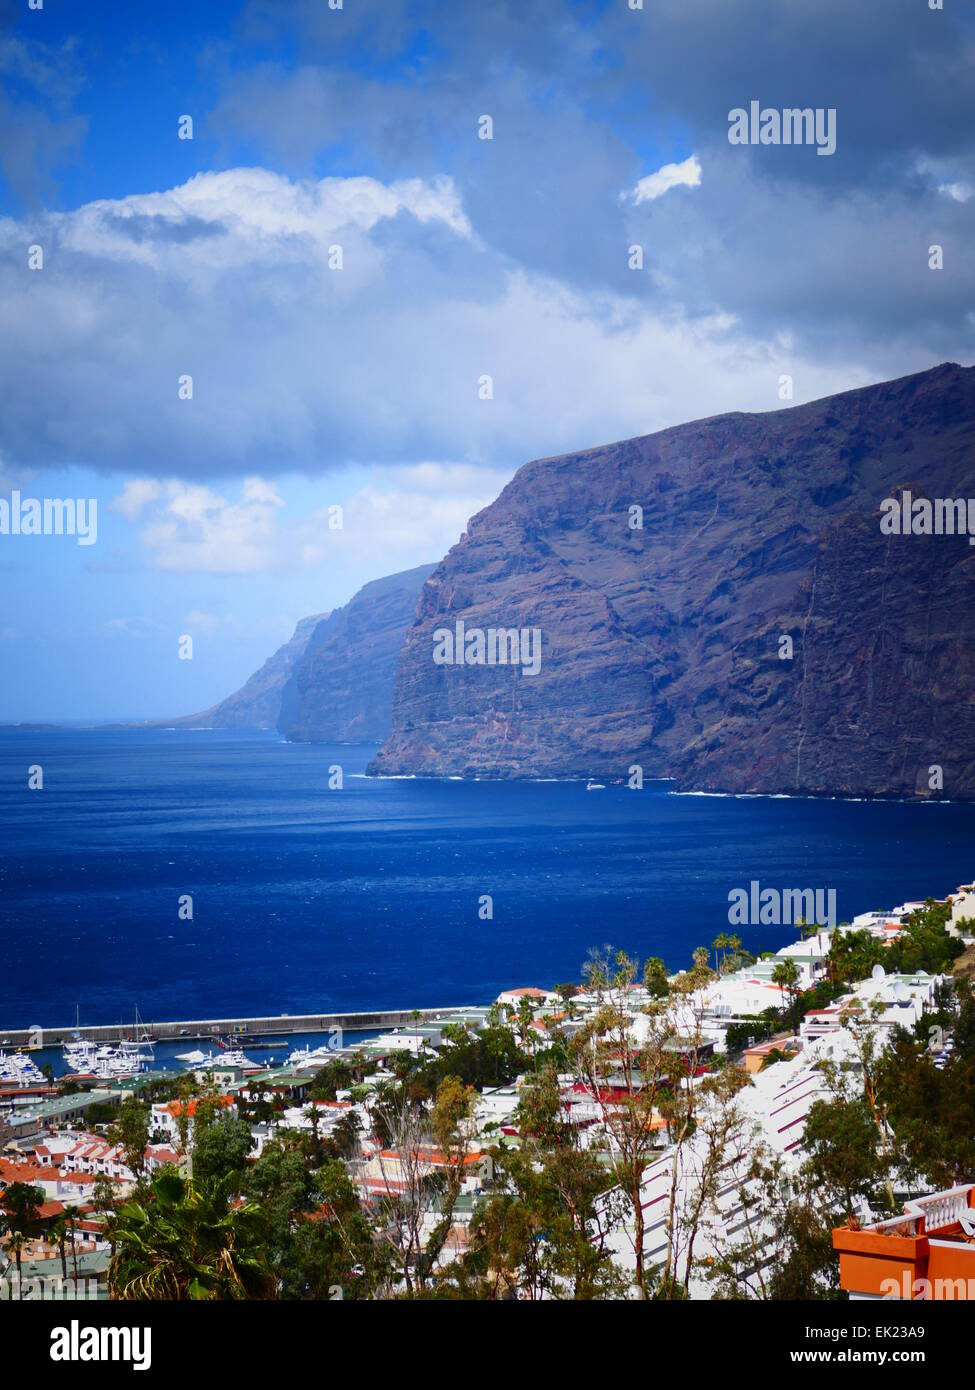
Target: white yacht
86 1058
17 1069
309 1058
209 1061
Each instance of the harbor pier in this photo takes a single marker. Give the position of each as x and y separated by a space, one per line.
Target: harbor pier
273 1025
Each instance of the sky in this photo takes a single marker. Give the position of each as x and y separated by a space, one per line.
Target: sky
222 339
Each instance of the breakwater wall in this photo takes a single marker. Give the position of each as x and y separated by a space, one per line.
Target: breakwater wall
273 1025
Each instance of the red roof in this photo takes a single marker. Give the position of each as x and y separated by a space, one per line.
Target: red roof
161 1153
11 1171
47 1211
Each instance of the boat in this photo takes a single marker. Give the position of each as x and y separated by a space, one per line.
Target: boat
85 1058
105 1061
592 786
308 1058
207 1061
17 1069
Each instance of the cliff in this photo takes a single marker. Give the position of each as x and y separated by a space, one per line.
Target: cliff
333 680
342 688
661 645
257 704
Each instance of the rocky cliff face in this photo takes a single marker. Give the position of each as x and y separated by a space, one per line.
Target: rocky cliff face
257 704
661 646
333 681
341 690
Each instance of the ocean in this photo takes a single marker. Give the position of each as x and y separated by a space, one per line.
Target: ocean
310 899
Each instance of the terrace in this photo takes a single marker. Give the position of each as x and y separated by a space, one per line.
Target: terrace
925 1254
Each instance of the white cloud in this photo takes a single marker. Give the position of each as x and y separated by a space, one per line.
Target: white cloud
961 192
403 517
199 621
139 626
946 176
190 527
135 496
687 174
250 215
299 368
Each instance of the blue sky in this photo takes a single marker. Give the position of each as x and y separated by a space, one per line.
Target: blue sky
315 385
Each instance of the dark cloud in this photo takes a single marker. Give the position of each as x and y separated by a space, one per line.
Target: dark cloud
588 98
780 260
141 227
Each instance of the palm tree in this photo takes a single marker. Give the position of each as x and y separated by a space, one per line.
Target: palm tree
808 929
785 974
525 1026
104 1204
71 1216
59 1234
187 1242
358 1065
16 1245
720 943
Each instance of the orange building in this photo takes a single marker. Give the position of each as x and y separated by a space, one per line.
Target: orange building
928 1253
756 1057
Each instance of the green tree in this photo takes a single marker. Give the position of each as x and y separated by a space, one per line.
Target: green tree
842 1155
336 1075
22 1203
852 955
131 1131
103 1201
449 1116
186 1241
221 1148
626 1079
15 1245
785 974
927 1095
782 1248
544 1229
316 1233
58 1232
655 978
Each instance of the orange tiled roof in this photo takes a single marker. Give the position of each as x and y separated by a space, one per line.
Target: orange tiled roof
175 1107
433 1156
10 1171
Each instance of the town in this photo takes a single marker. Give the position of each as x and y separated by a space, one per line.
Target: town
796 1125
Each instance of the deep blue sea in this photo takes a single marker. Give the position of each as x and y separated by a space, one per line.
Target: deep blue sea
306 899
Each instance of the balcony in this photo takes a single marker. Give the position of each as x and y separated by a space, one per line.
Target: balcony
924 1254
